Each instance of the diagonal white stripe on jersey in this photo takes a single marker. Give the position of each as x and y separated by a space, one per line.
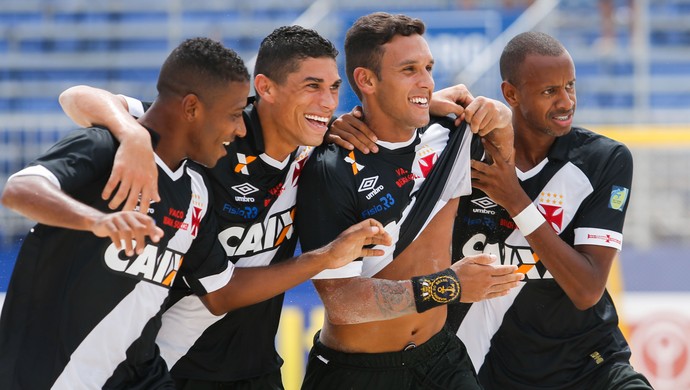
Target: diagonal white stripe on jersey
489 313
94 361
183 324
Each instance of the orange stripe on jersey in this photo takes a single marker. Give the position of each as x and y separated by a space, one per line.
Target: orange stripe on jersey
169 279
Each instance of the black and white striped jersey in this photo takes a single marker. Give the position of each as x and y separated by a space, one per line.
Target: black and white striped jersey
254 203
535 336
394 186
81 314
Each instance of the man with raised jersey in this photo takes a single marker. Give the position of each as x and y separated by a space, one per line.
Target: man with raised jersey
384 317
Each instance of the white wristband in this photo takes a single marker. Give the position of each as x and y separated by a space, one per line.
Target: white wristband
529 219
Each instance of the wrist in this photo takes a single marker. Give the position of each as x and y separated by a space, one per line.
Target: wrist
529 219
436 289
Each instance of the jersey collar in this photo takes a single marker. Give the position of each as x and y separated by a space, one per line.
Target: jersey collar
562 145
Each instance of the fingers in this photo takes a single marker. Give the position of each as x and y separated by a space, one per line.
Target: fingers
371 252
371 232
334 139
351 130
477 115
451 100
133 188
128 231
483 258
132 199
508 278
485 115
376 233
148 194
123 187
503 288
111 185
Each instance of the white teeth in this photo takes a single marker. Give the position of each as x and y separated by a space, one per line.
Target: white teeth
562 118
321 119
226 143
419 100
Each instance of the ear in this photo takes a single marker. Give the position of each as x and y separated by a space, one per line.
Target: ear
265 88
365 80
510 93
192 107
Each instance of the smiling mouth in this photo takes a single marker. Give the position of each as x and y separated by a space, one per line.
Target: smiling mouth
419 101
562 117
319 120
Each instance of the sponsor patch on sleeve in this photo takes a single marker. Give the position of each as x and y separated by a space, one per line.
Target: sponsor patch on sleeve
619 195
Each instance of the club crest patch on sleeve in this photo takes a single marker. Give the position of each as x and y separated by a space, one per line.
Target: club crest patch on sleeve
619 195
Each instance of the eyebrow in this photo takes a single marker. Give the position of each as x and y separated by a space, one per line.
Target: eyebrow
413 62
320 80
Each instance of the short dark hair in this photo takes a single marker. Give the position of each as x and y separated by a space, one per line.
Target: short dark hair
198 65
522 45
282 50
364 41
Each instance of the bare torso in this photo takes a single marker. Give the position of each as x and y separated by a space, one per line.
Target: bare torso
429 253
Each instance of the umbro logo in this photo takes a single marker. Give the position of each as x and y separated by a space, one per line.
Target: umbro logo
245 189
368 184
485 202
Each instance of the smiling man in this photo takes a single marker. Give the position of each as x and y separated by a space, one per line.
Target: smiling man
84 305
557 212
384 317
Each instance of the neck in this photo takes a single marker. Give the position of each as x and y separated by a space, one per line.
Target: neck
386 127
276 144
531 149
170 147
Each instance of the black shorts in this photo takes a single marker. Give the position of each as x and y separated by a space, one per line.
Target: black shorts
619 376
270 381
440 363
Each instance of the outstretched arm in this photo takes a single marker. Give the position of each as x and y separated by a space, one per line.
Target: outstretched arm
134 174
487 117
255 284
350 132
358 300
37 198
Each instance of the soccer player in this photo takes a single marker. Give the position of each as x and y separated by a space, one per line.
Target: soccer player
556 210
384 321
85 300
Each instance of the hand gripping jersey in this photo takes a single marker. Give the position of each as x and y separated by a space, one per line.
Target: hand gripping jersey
535 337
254 202
81 314
403 186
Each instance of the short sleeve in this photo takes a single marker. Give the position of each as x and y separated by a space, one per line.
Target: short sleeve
80 158
326 205
602 215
